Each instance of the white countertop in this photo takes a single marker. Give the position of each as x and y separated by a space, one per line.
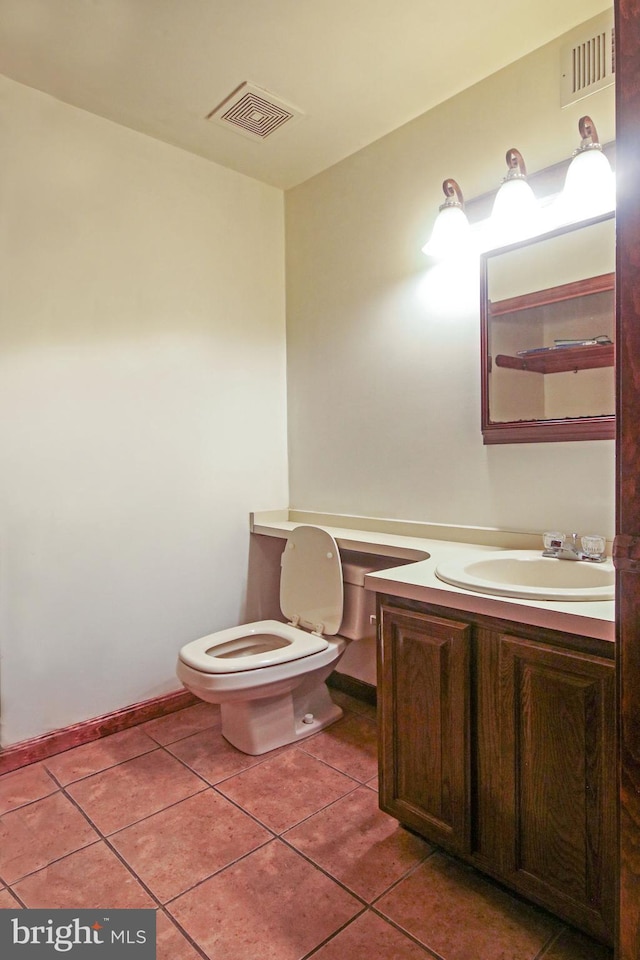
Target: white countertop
417 580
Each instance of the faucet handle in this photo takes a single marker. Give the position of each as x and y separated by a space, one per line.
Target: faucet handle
594 545
553 540
572 540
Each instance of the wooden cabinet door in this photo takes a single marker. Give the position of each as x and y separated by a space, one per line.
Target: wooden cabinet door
558 779
423 702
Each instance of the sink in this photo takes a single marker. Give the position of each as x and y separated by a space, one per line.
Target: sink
529 575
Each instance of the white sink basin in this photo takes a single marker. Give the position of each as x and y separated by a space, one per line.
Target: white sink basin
527 574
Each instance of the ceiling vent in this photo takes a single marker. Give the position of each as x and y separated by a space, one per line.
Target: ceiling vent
254 112
588 59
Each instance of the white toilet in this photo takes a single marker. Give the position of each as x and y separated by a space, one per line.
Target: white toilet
269 677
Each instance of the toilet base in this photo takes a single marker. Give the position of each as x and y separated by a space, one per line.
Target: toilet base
257 726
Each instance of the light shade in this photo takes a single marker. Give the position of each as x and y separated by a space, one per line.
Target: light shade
516 213
590 187
451 232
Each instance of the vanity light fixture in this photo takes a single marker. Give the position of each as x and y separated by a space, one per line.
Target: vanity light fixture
451 232
515 214
589 188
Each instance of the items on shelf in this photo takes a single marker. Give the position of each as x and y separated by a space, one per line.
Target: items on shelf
560 344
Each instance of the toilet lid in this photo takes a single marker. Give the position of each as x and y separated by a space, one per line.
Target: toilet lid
311 580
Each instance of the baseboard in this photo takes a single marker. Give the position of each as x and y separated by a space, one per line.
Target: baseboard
28 751
354 687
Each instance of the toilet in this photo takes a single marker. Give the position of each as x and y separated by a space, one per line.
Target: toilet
269 677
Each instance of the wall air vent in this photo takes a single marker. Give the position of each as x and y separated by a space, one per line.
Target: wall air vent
254 112
588 59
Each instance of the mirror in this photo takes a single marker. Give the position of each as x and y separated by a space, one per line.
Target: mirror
547 336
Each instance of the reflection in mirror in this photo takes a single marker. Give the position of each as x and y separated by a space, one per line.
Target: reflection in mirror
547 310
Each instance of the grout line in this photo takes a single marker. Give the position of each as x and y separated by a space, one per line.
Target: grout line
291 826
17 897
408 873
133 873
327 806
199 883
247 813
332 936
10 885
553 939
192 733
428 950
147 816
96 773
336 880
182 931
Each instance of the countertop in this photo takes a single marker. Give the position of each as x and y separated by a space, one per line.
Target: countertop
426 545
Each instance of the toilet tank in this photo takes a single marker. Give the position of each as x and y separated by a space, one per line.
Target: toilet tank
360 604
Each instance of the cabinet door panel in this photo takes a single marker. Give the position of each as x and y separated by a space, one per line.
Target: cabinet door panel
424 709
558 776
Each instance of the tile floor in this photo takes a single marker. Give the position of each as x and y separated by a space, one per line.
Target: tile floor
279 857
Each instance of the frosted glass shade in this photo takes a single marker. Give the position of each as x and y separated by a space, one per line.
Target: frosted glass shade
589 188
515 215
451 233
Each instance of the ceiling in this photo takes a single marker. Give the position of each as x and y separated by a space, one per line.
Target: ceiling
356 68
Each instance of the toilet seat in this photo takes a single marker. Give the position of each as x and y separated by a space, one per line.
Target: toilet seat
250 647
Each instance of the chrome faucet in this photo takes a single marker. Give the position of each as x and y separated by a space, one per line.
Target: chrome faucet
566 548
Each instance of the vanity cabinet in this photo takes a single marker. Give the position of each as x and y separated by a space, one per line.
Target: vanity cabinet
498 744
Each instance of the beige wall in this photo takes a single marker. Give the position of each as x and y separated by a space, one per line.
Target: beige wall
383 352
142 406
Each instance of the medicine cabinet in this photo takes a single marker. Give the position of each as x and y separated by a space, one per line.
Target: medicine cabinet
547 336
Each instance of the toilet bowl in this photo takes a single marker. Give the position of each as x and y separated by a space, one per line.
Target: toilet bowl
269 677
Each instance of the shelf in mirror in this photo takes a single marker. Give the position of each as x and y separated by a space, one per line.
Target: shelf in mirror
561 359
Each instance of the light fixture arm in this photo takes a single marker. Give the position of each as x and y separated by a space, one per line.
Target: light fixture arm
453 194
589 134
516 167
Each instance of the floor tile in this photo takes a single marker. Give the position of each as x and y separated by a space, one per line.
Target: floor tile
122 795
211 756
350 745
572 945
178 835
93 877
358 844
171 944
25 785
272 904
99 755
8 901
368 937
178 847
182 723
458 914
286 789
35 835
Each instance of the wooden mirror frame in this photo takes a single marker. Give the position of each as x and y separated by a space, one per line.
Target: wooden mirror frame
539 431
